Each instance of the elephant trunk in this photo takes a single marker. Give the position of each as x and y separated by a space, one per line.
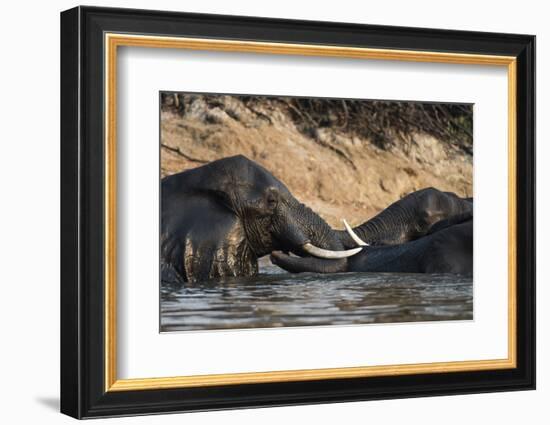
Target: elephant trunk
301 231
308 264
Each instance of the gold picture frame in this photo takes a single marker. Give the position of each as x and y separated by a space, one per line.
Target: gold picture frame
114 41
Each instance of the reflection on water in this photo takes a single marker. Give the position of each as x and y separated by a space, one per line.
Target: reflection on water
275 299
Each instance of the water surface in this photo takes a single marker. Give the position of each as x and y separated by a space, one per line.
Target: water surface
275 298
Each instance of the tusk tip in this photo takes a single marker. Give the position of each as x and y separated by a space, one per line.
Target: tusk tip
353 235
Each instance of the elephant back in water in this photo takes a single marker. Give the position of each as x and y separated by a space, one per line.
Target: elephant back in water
449 249
218 219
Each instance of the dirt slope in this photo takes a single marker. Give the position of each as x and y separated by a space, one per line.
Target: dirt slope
338 175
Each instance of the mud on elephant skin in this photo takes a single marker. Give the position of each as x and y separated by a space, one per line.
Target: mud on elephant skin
218 219
427 231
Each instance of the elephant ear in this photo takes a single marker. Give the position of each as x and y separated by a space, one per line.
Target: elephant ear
214 241
202 239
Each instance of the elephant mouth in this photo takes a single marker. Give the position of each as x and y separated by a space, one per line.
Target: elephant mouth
308 257
328 254
309 249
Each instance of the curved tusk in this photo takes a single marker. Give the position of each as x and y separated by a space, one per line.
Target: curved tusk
327 253
353 235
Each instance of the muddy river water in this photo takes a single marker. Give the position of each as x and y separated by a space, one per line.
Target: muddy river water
275 299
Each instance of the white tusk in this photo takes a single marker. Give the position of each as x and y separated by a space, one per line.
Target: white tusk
326 253
353 235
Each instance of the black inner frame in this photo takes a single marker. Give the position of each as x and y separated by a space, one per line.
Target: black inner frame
82 207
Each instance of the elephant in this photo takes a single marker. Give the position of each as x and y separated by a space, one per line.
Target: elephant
411 217
219 218
427 231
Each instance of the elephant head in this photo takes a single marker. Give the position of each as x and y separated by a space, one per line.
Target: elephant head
218 219
409 218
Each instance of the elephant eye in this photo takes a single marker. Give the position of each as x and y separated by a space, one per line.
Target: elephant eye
271 200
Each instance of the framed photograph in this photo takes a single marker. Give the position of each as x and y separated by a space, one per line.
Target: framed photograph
261 212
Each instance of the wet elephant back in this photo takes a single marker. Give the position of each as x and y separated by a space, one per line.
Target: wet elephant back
451 250
447 251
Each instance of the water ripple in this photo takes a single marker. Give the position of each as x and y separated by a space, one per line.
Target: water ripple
275 299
